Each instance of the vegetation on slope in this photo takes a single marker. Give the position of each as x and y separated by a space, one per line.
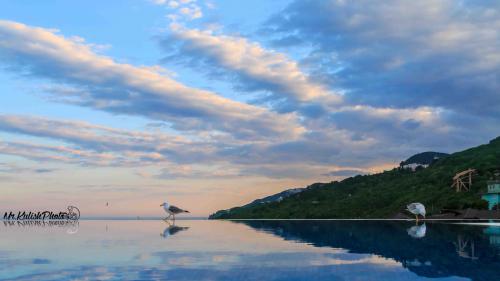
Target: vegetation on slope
426 158
385 194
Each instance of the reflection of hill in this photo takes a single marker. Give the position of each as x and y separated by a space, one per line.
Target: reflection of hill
446 250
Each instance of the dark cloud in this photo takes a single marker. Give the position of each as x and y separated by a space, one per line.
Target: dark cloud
399 53
40 261
13 169
344 173
44 170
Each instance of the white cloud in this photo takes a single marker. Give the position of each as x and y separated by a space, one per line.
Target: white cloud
59 154
345 136
91 144
104 84
268 70
82 143
320 109
274 72
182 9
192 11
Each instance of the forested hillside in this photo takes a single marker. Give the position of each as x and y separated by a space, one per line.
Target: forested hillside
385 194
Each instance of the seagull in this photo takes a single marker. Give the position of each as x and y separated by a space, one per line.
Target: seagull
416 209
172 210
417 231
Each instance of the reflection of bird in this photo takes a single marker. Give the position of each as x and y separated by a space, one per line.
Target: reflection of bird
417 231
416 209
172 210
172 229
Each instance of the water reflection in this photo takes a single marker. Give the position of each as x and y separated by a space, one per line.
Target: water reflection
417 231
442 250
172 229
71 226
249 250
493 232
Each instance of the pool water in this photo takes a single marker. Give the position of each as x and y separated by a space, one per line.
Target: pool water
249 250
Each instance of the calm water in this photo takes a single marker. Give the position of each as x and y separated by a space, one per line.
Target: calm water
249 250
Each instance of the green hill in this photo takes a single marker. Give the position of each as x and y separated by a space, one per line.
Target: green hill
385 194
425 158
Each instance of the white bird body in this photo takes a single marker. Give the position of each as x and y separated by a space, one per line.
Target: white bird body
416 209
172 210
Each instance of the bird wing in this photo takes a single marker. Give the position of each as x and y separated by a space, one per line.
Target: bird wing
416 208
421 208
175 209
412 208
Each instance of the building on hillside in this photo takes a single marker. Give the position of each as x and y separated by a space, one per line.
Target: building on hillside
421 160
414 166
493 194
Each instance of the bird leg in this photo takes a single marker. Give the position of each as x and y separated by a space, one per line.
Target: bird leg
416 217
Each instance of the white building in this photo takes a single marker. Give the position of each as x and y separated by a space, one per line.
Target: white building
413 166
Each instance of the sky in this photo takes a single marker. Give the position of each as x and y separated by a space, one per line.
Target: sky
210 104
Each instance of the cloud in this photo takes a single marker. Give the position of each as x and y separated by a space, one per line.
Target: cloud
96 137
255 68
315 157
90 144
344 173
296 171
400 54
193 11
279 83
103 84
10 168
59 154
182 9
199 172
321 134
